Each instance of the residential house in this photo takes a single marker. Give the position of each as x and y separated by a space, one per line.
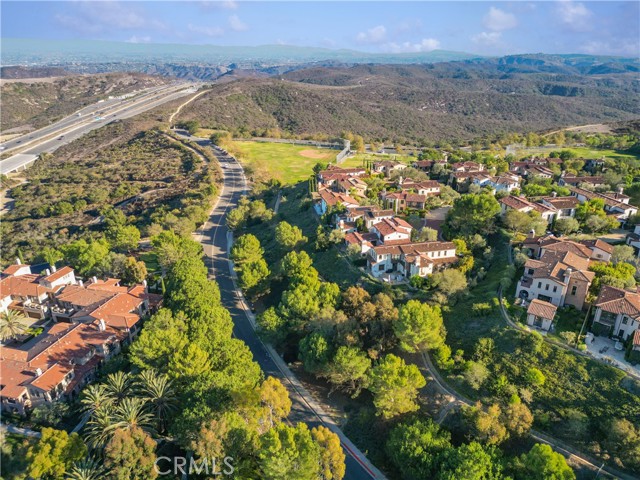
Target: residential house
565 207
573 181
467 167
500 183
539 171
592 249
617 313
82 325
616 204
521 204
427 165
540 314
399 262
400 201
327 199
633 239
387 167
557 277
351 186
430 188
392 230
365 241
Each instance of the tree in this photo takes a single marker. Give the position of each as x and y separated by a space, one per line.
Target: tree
51 255
620 275
275 398
535 377
395 386
210 440
416 447
471 214
55 453
163 336
246 249
475 374
332 458
12 324
425 234
623 443
253 273
517 418
419 326
135 271
289 236
271 326
450 282
86 256
130 455
622 253
589 208
348 369
524 222
357 144
289 453
565 226
123 238
220 138
87 469
542 463
470 461
486 426
314 352
158 391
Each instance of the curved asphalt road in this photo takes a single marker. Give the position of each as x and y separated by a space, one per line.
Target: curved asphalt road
213 236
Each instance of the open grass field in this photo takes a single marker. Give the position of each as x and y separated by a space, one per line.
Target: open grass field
288 163
581 152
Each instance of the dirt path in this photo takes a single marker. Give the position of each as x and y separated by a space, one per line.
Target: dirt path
185 103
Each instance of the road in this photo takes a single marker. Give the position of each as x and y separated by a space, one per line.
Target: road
214 238
73 127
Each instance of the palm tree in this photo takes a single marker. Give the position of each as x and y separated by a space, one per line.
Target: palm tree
130 413
117 385
12 324
87 469
158 390
95 397
99 428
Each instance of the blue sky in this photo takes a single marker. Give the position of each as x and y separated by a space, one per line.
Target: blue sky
566 26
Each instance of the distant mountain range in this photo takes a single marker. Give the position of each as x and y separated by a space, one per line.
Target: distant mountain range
38 52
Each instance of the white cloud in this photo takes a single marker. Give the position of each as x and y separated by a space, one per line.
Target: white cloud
498 20
625 48
488 39
207 31
230 5
136 39
236 24
425 45
108 15
574 15
373 35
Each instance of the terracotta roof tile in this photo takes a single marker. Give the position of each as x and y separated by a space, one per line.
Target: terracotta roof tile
542 309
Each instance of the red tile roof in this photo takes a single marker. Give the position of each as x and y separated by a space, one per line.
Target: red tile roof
619 301
542 309
57 275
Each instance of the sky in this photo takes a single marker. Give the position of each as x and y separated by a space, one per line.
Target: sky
488 28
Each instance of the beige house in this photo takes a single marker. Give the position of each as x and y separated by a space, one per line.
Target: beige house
617 313
540 314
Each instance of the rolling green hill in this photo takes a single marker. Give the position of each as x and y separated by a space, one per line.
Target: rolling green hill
457 100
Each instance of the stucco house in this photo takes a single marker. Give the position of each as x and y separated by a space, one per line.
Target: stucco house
617 313
540 314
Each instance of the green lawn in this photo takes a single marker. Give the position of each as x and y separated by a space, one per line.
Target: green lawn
288 163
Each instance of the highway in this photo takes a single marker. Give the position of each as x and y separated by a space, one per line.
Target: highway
214 238
48 139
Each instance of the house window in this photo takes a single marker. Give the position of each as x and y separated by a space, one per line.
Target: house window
574 289
555 289
539 284
380 267
625 320
546 287
530 271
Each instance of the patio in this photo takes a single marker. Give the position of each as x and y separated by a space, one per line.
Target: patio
604 349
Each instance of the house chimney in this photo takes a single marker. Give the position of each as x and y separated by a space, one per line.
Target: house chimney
554 194
80 282
620 189
101 325
94 279
532 233
54 269
38 372
567 274
18 262
48 272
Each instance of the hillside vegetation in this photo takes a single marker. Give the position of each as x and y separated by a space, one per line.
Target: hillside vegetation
446 101
34 104
152 179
